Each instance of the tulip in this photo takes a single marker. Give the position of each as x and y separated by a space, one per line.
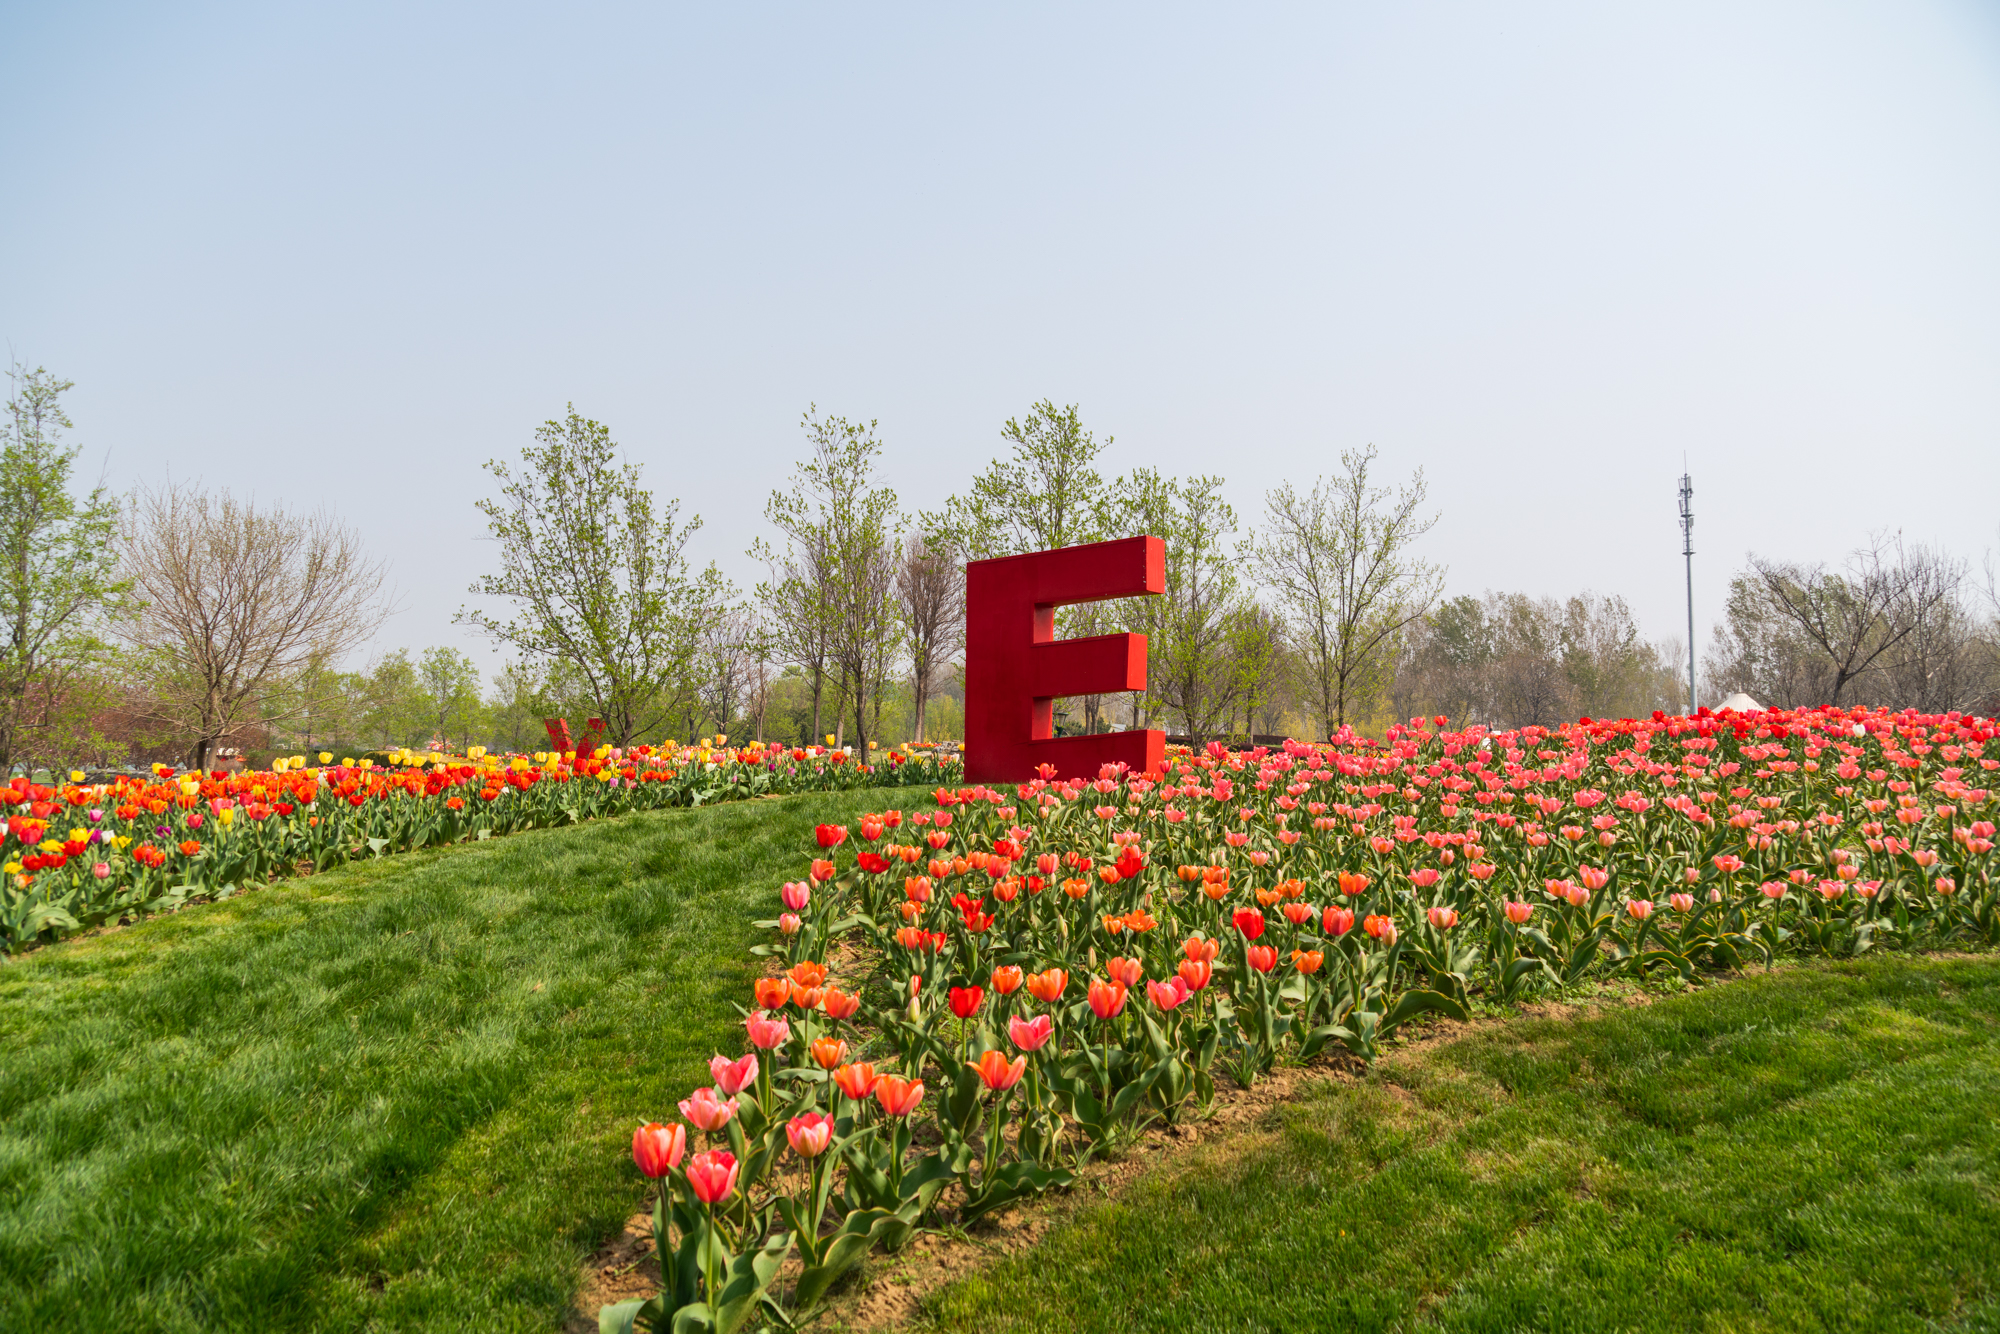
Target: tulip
1945 885
1593 878
1047 986
1031 1034
1128 973
898 1096
1249 921
796 894
765 1032
1200 950
1518 913
1261 957
1424 878
1352 884
790 924
1681 902
772 992
830 835
828 1052
657 1149
839 1004
1381 927
1169 994
1442 918
809 1134
732 1077
1007 979
1639 909
1107 999
822 869
1337 921
707 1112
857 1080
1196 973
997 1072
965 1001
1307 961
712 1175
1772 889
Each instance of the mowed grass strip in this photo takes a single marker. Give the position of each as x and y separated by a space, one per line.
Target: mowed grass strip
396 1096
1814 1149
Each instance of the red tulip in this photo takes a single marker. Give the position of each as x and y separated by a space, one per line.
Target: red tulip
1261 957
965 1001
830 835
1249 921
1337 921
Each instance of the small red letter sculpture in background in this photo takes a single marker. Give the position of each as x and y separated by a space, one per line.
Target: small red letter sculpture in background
1016 668
558 731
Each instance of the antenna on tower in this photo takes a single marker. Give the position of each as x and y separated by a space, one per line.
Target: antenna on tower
1687 552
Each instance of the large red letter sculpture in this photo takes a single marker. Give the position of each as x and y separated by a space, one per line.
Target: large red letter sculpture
1015 667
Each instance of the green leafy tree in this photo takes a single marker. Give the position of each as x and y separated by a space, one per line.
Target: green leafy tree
831 601
450 684
599 580
58 573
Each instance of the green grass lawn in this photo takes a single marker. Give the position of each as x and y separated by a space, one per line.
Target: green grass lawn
396 1096
1814 1149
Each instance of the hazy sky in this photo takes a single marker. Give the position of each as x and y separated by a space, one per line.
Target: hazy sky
341 255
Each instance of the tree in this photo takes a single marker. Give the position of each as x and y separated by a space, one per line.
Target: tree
930 597
1337 558
1047 493
1800 634
236 602
599 579
1200 665
836 578
58 570
449 681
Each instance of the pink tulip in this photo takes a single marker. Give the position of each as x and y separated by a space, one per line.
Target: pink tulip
1639 909
1031 1034
657 1149
809 1134
732 1077
1168 994
797 894
766 1032
1442 918
1517 913
1425 878
789 923
1681 902
705 1111
712 1175
1337 921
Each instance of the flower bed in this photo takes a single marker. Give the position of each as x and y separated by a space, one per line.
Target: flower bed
79 854
1022 979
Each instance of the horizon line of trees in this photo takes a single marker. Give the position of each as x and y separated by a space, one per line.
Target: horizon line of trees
177 623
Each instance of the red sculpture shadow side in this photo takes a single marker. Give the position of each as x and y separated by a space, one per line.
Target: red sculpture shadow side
1015 667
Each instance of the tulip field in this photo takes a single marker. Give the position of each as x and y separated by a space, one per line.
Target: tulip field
82 853
969 998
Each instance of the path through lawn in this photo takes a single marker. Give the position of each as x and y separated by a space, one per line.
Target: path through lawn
1815 1149
397 1096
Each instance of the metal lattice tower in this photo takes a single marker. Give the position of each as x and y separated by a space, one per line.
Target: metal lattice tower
1687 552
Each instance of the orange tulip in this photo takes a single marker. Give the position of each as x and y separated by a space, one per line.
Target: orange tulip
1007 979
1195 972
1107 999
857 1080
772 992
899 1096
828 1052
1127 973
840 1004
1047 986
997 1072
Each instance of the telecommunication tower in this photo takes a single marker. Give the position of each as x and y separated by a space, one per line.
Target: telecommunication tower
1687 552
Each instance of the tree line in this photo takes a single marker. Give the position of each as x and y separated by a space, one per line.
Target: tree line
187 625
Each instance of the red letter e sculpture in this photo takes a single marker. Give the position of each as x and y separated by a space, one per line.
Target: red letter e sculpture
1015 667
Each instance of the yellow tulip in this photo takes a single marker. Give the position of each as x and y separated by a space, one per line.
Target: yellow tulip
326 757
76 775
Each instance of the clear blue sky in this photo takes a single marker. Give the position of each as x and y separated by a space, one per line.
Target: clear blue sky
343 254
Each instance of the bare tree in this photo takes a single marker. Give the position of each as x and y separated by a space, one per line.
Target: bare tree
1842 624
237 601
1338 560
930 596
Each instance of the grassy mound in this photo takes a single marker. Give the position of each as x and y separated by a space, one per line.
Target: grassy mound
1814 1149
399 1095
